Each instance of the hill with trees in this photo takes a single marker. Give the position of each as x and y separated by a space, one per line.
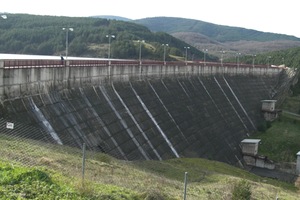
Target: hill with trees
289 57
43 35
216 38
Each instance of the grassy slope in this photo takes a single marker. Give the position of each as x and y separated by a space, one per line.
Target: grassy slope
57 173
281 141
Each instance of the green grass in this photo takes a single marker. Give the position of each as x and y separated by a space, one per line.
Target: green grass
34 170
292 104
281 142
18 182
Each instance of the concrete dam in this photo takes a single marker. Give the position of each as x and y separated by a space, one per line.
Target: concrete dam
139 111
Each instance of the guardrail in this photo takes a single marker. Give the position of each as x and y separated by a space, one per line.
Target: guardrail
8 64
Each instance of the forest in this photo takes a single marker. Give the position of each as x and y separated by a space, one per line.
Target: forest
89 37
289 58
92 37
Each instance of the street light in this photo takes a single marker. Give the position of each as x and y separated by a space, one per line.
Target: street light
140 51
238 59
165 45
186 48
268 59
222 55
67 39
253 58
204 51
109 40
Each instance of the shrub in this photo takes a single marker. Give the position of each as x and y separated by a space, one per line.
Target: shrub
153 194
264 126
241 191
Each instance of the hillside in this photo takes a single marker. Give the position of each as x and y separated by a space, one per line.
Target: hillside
288 57
34 170
112 17
44 35
217 38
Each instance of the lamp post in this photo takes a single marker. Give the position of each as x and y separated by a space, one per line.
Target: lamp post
238 59
253 58
109 41
222 56
165 45
186 48
140 49
67 39
204 56
268 59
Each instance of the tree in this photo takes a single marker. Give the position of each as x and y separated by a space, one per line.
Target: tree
45 48
77 48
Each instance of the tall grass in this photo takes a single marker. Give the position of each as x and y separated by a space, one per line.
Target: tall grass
34 169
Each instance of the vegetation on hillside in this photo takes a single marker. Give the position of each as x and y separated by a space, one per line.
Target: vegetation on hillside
289 57
43 35
280 142
217 32
217 38
55 172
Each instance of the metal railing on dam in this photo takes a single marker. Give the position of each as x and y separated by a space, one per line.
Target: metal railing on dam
133 110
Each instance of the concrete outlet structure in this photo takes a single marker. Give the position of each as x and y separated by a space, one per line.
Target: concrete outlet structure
269 111
251 157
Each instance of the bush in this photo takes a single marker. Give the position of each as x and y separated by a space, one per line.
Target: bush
264 126
153 194
241 191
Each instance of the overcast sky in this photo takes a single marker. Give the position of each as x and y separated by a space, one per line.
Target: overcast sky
262 15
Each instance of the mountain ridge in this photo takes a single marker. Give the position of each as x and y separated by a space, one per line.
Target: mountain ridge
220 37
216 38
177 24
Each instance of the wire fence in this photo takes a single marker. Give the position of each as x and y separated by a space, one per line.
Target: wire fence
20 146
81 165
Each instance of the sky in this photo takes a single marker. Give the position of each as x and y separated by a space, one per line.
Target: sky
262 15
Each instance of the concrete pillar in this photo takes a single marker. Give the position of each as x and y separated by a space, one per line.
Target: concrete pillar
298 163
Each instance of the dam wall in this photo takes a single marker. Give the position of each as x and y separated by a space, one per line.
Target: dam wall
27 77
136 111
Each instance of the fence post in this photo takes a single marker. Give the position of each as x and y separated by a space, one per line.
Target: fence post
83 163
185 185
